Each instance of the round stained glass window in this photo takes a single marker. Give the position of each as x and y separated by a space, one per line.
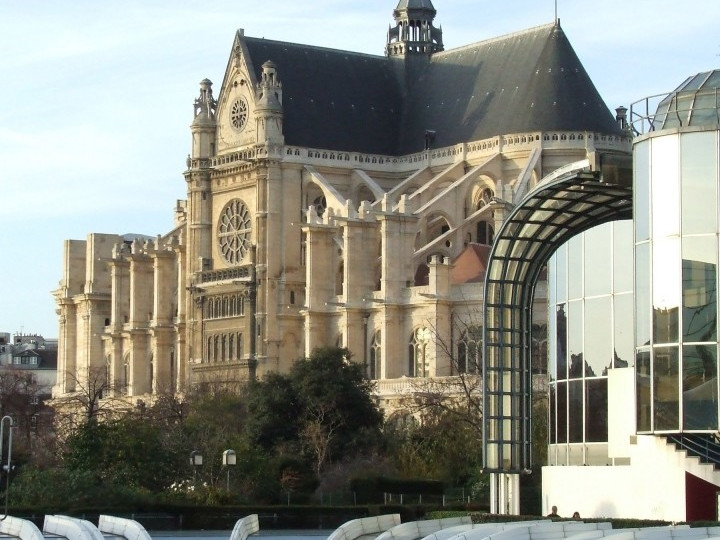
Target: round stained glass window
234 228
239 114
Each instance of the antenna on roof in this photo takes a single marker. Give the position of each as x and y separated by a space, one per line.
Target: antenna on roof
556 15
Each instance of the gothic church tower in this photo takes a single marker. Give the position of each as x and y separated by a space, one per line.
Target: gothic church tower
414 33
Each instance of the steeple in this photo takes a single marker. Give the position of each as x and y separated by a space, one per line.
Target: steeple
203 124
269 110
414 33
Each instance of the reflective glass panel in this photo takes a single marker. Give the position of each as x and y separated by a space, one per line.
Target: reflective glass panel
700 387
575 339
598 260
666 290
596 454
641 190
704 111
642 294
575 454
699 182
561 342
622 327
552 426
642 390
575 411
699 278
666 389
561 273
562 412
596 410
598 336
665 190
575 267
552 324
622 256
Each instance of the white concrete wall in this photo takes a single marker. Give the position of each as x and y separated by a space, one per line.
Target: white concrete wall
652 487
621 411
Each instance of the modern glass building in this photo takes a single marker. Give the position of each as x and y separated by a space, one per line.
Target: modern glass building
676 261
633 343
591 319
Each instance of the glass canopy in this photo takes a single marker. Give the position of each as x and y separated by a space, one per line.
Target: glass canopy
561 206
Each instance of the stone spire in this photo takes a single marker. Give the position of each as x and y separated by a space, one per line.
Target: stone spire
203 124
414 33
268 109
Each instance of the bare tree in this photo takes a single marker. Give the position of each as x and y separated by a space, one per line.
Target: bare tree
22 398
318 433
94 399
459 394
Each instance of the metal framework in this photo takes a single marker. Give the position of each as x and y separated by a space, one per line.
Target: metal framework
563 205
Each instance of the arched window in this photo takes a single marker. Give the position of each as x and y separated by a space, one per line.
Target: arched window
340 278
417 353
469 351
216 345
375 364
320 204
240 350
485 233
231 347
208 353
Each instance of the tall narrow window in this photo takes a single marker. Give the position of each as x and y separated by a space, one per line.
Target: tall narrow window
417 351
375 364
469 353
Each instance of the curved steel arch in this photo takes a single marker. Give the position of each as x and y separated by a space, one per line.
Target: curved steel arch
560 207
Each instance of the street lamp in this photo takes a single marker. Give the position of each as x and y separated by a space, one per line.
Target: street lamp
229 459
195 461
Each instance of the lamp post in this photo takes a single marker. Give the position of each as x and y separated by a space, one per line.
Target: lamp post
195 461
229 459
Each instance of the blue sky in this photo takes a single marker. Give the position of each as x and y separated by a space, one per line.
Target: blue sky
96 99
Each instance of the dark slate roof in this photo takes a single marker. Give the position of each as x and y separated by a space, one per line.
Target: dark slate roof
528 81
335 100
339 100
47 358
415 4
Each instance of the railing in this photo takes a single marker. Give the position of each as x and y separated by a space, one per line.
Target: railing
227 274
686 107
703 446
436 156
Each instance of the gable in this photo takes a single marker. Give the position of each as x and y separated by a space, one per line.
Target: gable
236 125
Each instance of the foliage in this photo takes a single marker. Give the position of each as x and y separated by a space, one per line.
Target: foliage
127 452
316 426
435 444
321 410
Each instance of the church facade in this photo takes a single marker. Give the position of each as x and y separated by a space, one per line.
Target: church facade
334 198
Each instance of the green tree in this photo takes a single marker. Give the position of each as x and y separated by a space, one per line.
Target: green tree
336 403
273 412
322 410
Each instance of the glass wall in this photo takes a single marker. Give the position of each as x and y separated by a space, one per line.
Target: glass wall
676 190
591 318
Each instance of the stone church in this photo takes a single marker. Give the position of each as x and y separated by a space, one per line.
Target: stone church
334 198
